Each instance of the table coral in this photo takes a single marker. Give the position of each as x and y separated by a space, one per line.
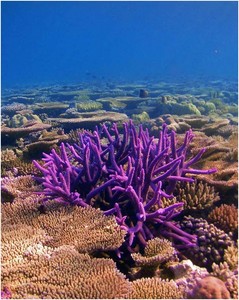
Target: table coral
66 274
87 229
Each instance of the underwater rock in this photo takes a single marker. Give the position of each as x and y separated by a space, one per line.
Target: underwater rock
143 93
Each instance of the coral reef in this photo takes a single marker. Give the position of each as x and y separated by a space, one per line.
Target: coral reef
223 272
87 229
128 174
20 186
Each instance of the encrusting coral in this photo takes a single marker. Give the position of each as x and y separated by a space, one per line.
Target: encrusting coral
225 217
126 177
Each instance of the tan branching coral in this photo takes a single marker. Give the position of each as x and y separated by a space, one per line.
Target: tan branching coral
155 288
231 257
156 252
225 217
8 155
196 195
66 275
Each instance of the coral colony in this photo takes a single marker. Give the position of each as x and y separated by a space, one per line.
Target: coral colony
124 174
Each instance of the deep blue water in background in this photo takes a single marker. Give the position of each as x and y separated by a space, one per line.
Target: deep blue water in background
53 42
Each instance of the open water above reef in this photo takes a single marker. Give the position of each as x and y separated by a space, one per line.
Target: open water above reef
38 237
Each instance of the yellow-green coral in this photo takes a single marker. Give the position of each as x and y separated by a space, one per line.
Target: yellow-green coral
88 106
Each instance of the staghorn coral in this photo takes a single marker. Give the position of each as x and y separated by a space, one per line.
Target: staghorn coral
157 251
210 288
155 288
66 275
130 174
212 242
225 217
231 257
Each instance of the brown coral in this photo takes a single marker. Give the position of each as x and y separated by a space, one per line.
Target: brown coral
225 217
155 288
210 288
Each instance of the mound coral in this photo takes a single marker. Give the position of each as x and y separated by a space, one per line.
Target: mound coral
125 174
210 288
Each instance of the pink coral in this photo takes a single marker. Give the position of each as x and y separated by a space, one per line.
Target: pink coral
210 288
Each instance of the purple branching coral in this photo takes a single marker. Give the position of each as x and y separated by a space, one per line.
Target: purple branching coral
126 174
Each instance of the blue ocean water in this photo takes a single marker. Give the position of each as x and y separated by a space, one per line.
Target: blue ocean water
56 42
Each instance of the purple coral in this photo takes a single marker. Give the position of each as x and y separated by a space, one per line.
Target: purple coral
126 174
